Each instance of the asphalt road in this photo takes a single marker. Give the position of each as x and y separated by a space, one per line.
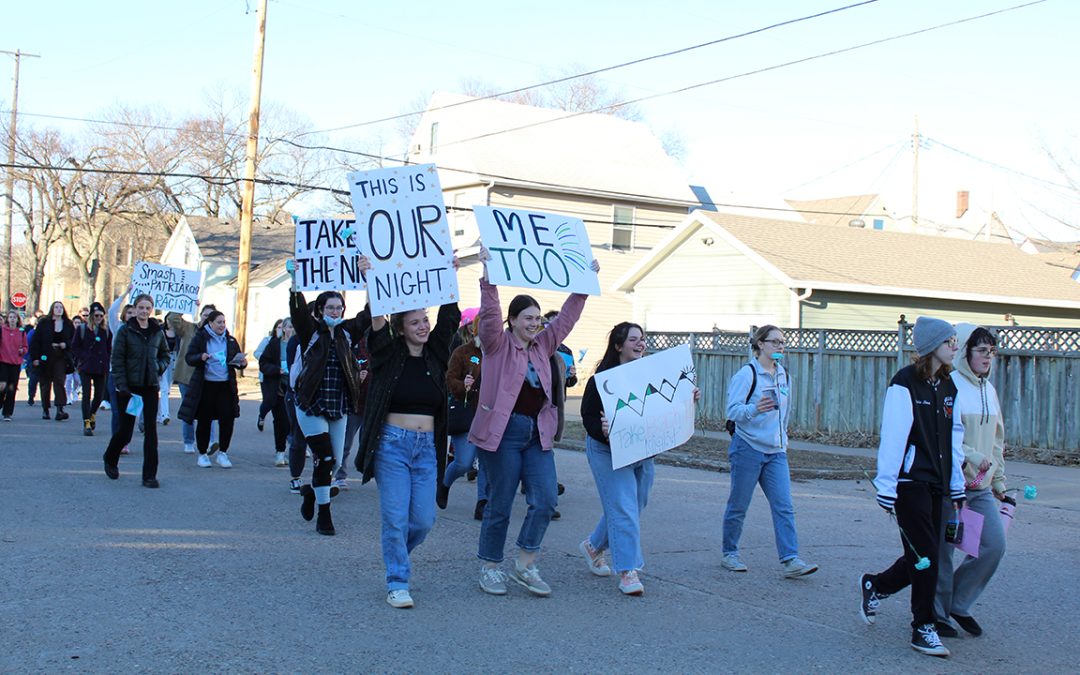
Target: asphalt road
217 572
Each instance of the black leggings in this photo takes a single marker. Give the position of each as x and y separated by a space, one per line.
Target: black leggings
9 377
127 427
97 383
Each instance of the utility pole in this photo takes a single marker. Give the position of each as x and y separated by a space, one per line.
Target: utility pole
9 183
248 203
915 180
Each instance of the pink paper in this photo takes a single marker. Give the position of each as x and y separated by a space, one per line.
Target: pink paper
973 524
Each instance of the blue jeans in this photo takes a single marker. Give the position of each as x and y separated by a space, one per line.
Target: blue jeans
519 459
464 456
187 429
748 468
164 384
623 495
405 471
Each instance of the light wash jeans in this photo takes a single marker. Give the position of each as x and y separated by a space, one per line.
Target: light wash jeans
957 591
748 468
464 456
623 495
519 459
313 425
352 429
164 385
405 471
187 429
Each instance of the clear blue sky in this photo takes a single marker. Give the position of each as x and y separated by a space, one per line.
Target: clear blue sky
997 88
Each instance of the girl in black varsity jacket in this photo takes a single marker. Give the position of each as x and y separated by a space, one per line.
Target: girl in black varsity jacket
919 463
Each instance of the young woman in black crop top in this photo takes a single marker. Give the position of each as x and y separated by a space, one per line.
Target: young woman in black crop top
403 441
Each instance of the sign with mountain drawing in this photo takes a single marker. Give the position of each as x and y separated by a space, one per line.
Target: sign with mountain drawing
649 404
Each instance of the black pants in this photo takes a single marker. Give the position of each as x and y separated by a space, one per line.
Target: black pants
127 427
31 384
282 424
54 372
918 512
215 405
9 377
297 442
97 383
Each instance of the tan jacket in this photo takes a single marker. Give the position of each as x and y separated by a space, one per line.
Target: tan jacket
980 411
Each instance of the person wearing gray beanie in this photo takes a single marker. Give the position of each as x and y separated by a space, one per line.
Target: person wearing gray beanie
930 333
919 468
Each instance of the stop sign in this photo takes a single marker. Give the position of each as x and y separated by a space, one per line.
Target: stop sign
18 300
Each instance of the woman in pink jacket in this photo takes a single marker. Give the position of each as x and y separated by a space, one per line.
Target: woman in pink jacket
515 427
13 348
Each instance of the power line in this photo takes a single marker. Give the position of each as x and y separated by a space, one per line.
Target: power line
748 73
605 69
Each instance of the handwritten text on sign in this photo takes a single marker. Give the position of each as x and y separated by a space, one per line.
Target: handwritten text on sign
172 288
537 250
649 404
327 258
402 228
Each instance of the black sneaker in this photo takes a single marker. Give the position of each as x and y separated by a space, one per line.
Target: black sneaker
925 640
45 414
259 423
560 489
945 629
870 598
969 624
442 494
478 512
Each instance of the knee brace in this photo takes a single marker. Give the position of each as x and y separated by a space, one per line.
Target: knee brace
322 459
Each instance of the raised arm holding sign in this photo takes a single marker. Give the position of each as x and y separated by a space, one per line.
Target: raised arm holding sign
327 255
401 226
530 249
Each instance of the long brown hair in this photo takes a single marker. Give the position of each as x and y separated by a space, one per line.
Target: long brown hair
923 365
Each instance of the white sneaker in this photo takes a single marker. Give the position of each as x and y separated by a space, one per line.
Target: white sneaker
204 461
189 448
279 459
105 405
223 460
594 559
340 483
797 568
493 580
731 562
399 599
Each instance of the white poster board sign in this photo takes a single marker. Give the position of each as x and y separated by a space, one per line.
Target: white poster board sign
531 249
649 404
401 226
326 255
173 289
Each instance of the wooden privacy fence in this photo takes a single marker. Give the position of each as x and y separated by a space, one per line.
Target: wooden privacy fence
839 378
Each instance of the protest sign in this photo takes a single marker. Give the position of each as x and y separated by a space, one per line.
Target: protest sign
649 404
172 288
530 249
326 255
402 229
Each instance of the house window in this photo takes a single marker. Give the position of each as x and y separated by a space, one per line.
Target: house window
459 216
434 141
622 231
879 224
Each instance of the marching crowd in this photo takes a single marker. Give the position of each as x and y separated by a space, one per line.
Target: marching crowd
421 405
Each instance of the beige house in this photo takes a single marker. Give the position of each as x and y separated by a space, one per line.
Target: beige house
719 270
611 173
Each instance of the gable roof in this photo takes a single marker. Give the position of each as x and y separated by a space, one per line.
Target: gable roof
512 144
805 256
219 238
836 210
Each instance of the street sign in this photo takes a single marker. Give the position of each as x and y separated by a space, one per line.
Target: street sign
18 300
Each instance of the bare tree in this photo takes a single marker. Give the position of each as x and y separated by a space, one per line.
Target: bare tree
1067 196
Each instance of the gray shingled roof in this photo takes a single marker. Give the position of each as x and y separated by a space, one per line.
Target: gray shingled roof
219 238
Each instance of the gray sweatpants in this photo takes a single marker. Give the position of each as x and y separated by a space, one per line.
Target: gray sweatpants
958 590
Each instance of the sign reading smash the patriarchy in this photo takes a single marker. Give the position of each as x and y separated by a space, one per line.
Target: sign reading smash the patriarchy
326 255
649 404
537 250
172 288
402 229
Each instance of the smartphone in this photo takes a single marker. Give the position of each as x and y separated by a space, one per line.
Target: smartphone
770 393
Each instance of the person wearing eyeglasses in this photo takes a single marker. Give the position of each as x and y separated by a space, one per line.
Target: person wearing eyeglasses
918 467
758 402
93 348
984 480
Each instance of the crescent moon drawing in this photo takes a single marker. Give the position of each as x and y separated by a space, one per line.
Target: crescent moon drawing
606 390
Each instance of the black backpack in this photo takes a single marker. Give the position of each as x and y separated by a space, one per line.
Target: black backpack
730 424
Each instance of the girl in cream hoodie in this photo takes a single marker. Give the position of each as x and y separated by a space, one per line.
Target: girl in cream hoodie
984 477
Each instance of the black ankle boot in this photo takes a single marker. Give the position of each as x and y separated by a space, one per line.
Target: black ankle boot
307 507
325 524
